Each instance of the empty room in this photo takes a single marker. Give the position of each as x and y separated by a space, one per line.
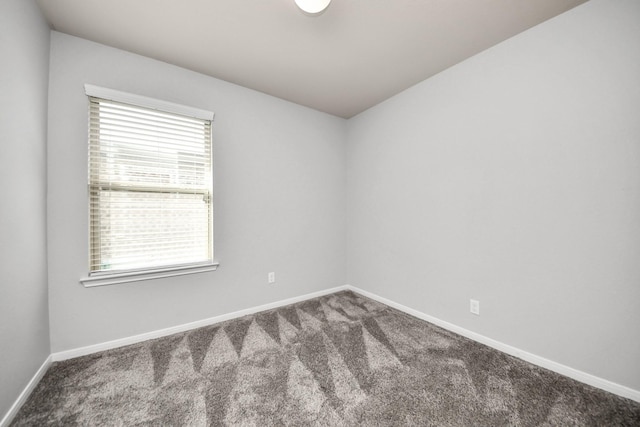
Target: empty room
320 212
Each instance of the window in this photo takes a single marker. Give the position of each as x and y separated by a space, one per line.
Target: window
150 185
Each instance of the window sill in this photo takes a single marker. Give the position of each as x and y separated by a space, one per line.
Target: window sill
137 276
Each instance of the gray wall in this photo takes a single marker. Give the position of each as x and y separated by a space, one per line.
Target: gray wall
24 317
279 185
514 178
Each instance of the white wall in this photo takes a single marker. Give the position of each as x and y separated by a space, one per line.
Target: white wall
514 178
279 185
24 319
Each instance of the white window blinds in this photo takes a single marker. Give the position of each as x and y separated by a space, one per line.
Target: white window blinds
150 188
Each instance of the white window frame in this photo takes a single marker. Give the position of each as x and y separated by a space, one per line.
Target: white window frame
100 278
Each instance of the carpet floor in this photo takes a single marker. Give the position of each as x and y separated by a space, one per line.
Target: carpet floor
337 360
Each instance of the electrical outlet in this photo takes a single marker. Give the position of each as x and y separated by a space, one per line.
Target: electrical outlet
474 306
271 278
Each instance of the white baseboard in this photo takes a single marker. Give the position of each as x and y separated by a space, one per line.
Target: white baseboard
8 417
83 351
561 369
513 351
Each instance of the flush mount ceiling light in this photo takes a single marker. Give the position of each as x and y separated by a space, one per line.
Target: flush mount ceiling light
313 7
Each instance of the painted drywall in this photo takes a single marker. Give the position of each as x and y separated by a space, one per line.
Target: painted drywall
24 75
513 178
279 188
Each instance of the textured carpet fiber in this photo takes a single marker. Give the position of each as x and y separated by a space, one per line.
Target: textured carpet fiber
337 360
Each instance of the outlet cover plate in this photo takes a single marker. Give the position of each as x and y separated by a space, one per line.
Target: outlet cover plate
474 306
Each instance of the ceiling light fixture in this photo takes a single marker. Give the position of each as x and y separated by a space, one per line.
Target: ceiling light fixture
313 7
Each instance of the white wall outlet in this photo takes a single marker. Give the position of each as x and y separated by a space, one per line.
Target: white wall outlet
271 278
474 306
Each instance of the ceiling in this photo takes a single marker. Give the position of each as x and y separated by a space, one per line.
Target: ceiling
355 55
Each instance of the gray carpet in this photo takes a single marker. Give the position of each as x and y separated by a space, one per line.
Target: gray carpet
337 360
